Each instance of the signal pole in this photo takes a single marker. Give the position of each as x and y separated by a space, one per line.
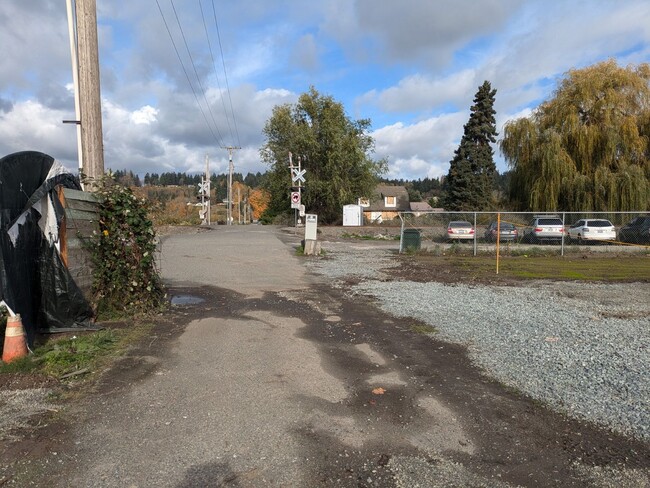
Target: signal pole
231 167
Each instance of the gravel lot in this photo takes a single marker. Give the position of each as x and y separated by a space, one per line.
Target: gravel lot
582 348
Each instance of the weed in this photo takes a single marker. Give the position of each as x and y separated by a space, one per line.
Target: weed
424 329
76 353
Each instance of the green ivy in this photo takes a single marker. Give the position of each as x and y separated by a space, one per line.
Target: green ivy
125 277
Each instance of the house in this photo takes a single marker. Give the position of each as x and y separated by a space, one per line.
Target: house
386 202
418 208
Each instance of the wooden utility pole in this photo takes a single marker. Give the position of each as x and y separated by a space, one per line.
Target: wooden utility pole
231 167
92 144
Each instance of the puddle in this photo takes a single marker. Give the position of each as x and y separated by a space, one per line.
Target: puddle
185 300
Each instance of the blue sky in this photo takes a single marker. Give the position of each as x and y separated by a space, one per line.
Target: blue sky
412 67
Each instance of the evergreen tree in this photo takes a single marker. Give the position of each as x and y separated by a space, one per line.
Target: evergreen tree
470 180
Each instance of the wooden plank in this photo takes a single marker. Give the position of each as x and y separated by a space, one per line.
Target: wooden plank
82 228
82 205
63 232
81 214
81 195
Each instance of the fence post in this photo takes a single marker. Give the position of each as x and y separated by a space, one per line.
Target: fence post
475 233
401 233
563 232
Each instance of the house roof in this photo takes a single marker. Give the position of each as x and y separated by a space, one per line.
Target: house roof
378 200
421 207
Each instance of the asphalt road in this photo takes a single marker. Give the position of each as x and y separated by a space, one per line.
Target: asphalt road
274 378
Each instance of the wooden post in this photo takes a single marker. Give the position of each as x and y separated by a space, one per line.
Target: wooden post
89 93
63 230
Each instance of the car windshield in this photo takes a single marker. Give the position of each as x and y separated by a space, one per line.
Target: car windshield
549 222
460 224
599 223
505 226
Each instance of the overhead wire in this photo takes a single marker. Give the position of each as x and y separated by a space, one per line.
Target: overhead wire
223 62
198 78
171 37
214 65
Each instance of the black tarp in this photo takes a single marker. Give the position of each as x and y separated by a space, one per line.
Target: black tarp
34 280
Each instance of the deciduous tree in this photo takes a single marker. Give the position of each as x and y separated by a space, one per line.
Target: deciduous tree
587 147
334 150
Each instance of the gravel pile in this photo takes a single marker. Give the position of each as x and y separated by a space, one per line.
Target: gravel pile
582 348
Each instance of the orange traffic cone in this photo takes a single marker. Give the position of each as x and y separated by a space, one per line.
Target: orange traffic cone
15 344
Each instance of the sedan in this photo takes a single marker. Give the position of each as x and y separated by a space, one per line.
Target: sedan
637 231
460 229
544 228
592 230
506 232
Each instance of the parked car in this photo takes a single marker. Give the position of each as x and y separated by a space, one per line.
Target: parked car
637 231
592 230
460 229
506 232
544 228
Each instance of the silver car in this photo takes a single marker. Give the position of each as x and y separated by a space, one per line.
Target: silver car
544 228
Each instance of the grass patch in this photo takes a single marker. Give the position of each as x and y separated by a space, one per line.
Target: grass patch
87 351
624 268
423 329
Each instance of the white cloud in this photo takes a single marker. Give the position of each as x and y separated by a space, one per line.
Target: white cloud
421 149
31 126
424 94
146 115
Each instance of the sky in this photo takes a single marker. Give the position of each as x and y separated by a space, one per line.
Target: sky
182 79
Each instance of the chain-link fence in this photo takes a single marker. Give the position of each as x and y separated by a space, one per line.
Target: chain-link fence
482 231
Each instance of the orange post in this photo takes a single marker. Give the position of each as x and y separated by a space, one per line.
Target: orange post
15 345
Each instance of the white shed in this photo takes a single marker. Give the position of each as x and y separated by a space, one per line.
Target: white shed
352 215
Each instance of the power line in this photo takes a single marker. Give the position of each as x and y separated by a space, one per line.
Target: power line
198 78
187 75
214 65
223 62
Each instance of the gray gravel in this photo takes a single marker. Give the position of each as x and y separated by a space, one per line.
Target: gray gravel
582 348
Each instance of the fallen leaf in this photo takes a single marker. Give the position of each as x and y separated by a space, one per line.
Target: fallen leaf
379 391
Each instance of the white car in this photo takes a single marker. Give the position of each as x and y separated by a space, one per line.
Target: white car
460 230
592 230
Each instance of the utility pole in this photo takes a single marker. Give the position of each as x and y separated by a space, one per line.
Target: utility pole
92 145
231 167
207 179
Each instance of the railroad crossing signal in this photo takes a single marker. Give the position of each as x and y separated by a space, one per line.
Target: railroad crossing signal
204 187
298 175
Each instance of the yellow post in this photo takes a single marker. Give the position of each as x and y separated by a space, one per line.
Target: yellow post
498 236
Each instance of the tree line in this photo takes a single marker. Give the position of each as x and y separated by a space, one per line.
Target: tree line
585 148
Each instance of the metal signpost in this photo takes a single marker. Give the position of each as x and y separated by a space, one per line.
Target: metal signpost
297 179
204 191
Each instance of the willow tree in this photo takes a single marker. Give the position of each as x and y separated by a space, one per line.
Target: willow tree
587 148
335 152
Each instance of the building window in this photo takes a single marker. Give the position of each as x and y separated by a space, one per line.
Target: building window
364 202
390 201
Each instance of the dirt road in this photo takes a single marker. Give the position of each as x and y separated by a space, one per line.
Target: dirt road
265 375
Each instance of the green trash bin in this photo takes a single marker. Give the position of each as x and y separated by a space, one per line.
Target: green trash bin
411 240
